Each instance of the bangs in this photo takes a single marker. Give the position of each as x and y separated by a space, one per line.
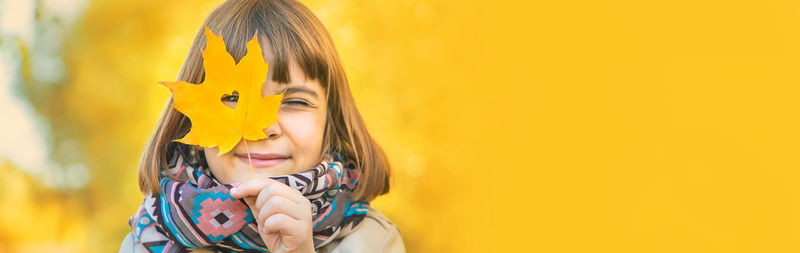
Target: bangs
278 24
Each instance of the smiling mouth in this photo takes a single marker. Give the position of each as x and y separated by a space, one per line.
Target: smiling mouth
261 160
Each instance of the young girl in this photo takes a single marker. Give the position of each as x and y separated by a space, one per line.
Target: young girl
313 176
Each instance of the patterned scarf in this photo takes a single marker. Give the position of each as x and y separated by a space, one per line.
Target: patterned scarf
198 211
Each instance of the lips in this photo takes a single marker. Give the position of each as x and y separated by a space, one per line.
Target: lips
262 159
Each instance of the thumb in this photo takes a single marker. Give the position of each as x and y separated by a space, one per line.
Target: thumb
251 202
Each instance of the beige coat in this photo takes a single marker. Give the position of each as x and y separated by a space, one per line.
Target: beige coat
375 233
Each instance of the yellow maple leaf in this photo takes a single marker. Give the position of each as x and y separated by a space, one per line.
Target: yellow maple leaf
214 123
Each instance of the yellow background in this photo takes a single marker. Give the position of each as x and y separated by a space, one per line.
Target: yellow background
534 126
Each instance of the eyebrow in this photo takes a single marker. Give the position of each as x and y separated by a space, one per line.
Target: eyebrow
301 89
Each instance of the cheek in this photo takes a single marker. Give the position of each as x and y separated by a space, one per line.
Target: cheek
218 165
305 130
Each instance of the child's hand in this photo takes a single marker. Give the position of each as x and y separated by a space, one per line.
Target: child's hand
283 215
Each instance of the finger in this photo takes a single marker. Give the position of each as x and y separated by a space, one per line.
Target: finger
251 203
251 187
283 224
283 190
278 204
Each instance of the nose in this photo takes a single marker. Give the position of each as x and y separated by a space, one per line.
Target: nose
273 131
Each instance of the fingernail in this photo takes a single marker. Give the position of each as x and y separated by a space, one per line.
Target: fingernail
234 190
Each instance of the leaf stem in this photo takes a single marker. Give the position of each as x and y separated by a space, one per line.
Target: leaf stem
252 173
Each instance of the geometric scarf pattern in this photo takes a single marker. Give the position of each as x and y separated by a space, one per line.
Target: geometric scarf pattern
197 211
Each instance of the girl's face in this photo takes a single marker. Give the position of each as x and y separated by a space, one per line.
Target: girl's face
293 143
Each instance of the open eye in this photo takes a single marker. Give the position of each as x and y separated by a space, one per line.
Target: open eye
230 100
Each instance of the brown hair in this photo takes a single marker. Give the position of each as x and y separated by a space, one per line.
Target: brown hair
293 33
